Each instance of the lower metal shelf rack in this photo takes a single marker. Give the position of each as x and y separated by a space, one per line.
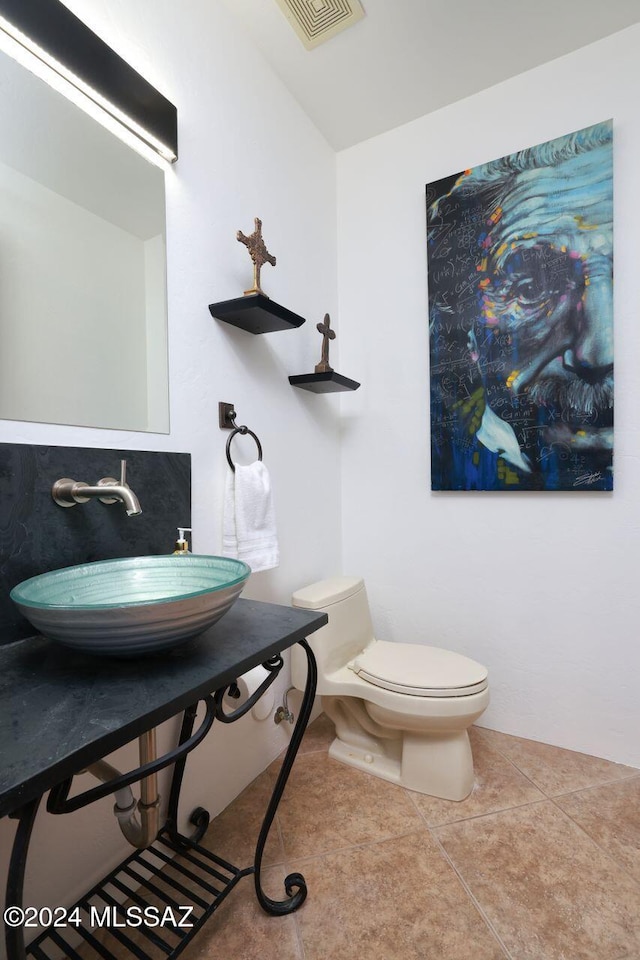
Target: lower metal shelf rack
152 904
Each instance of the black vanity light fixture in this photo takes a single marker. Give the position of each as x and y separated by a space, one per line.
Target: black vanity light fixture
48 39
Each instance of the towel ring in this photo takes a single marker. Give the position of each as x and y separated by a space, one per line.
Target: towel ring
243 430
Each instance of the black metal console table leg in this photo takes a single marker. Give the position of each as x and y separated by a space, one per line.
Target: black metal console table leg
199 817
14 935
294 883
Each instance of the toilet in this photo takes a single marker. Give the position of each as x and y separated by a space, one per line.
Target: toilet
401 710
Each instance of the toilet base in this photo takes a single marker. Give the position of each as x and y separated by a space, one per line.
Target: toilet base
439 766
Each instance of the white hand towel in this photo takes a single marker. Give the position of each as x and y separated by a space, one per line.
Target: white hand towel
249 529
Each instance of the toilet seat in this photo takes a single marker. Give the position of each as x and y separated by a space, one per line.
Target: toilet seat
419 671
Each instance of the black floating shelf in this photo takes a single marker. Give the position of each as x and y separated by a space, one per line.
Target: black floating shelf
255 313
323 382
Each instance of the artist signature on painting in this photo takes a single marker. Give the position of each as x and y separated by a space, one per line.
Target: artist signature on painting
587 478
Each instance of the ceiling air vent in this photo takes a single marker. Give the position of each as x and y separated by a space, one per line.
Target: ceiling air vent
318 20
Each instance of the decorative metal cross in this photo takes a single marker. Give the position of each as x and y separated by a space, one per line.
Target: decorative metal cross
327 335
258 253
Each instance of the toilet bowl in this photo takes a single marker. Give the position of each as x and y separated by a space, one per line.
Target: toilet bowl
401 710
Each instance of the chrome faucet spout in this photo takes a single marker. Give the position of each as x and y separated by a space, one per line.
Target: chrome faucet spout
67 492
107 493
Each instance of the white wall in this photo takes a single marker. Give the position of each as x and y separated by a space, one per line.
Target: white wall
246 150
540 587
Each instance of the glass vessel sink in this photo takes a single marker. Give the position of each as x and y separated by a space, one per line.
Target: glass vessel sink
132 605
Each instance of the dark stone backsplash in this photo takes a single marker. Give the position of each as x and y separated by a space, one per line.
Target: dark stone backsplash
36 535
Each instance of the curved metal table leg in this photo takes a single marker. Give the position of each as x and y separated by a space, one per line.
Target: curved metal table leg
199 817
294 883
14 936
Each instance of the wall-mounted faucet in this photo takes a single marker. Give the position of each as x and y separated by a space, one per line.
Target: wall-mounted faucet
67 493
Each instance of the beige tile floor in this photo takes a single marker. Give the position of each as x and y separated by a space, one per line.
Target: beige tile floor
541 862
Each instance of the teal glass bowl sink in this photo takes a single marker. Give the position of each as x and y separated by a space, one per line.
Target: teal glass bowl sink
133 605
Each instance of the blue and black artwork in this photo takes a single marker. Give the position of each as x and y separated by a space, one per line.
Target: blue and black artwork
520 255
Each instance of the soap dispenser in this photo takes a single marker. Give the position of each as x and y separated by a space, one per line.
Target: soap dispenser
182 544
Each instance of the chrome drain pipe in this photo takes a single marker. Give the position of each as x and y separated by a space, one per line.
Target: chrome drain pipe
139 832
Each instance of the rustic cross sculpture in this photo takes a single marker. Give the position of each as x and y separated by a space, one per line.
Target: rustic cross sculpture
258 253
327 334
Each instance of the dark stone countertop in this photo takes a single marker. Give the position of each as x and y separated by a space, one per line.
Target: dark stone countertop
61 710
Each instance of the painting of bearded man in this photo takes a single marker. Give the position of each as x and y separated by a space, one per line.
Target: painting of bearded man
520 256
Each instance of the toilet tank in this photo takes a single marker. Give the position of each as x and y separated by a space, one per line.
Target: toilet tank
349 630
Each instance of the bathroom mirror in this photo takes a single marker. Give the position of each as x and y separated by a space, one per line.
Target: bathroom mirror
83 316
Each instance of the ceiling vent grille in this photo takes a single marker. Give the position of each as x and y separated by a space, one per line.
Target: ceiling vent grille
318 20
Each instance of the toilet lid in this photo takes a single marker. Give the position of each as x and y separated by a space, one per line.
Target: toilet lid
420 671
